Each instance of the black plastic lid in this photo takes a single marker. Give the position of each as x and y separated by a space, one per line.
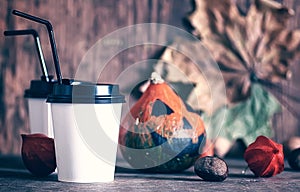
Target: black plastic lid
71 91
39 89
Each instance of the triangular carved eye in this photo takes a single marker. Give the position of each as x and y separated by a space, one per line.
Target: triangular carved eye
159 108
186 124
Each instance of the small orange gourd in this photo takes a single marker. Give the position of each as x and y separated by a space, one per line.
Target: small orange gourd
160 134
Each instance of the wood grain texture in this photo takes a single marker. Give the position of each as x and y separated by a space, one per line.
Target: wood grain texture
78 25
128 180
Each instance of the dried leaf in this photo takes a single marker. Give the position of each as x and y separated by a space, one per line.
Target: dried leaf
246 120
183 73
248 48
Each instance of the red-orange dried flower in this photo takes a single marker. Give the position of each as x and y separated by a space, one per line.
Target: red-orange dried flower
38 154
265 157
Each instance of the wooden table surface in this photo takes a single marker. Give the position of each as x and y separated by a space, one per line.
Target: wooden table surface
14 177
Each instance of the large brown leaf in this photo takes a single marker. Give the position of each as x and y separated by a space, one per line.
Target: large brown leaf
197 80
256 47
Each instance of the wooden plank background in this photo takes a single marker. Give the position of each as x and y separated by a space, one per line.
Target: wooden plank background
78 24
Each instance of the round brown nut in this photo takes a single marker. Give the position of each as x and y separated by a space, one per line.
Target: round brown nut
211 168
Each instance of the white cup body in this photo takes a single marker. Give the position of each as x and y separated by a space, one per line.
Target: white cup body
40 117
86 141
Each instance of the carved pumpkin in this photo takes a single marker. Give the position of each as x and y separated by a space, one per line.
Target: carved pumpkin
160 134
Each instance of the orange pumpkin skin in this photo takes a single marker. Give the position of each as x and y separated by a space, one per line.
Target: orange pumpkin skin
160 134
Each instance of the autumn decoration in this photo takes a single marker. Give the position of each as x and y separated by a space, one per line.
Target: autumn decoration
257 47
160 133
265 157
211 168
38 154
255 51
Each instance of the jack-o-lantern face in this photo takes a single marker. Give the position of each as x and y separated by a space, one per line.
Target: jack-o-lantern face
159 134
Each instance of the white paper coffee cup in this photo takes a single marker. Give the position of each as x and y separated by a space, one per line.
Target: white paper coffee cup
86 121
40 119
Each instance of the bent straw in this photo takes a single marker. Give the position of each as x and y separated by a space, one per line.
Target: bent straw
38 45
51 37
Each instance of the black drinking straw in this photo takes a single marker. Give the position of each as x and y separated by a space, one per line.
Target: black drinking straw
38 47
51 37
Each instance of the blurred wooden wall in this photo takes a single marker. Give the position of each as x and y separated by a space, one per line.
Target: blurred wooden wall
78 24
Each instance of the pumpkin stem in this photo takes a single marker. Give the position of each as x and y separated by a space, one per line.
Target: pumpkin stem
156 78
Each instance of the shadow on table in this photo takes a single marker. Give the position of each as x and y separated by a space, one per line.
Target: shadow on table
153 176
187 175
241 175
25 175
